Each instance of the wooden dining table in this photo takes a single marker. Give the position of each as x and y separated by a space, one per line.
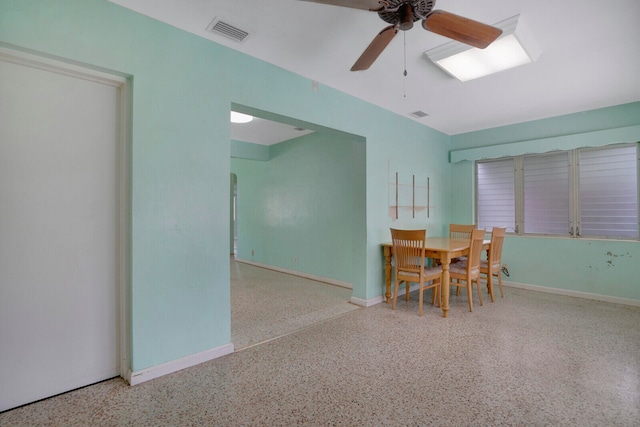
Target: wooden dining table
443 249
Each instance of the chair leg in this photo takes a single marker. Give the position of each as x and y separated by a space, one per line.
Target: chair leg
395 295
500 283
420 299
406 295
490 285
479 291
470 295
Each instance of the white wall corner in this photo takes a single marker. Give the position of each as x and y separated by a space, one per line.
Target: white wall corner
380 298
138 377
367 302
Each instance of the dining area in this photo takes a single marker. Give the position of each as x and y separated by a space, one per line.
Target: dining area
469 258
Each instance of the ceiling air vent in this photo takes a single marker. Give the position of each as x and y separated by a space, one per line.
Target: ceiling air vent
299 129
419 114
228 30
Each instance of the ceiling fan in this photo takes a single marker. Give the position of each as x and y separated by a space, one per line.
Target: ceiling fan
401 14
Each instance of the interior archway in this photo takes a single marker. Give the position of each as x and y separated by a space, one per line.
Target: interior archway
305 189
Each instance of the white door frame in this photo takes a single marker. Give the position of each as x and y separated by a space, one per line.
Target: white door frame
122 83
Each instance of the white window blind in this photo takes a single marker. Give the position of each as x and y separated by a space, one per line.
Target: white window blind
546 194
609 192
496 190
586 192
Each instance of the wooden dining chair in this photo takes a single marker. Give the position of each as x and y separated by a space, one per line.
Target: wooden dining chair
408 256
493 264
469 271
460 232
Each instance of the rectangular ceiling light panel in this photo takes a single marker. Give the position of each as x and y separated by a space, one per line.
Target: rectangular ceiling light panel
514 48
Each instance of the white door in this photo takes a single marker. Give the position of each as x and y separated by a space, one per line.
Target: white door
59 289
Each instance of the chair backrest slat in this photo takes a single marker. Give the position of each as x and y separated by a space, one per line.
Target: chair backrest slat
408 249
461 231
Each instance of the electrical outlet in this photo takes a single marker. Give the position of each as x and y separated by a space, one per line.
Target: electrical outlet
295 259
251 252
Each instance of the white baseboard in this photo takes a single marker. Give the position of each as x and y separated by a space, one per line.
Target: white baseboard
377 300
577 294
381 298
367 302
299 274
138 377
536 288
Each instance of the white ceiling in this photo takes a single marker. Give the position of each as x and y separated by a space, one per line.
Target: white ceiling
265 132
589 55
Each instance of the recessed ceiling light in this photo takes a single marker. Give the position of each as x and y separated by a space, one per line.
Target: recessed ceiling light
240 118
514 48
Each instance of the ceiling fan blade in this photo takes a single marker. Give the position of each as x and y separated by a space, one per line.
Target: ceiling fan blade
462 29
374 49
372 5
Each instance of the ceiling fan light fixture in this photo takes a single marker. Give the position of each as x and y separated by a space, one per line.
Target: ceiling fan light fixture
515 47
240 118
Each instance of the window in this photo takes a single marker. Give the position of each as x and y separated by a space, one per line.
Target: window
609 192
496 195
581 193
546 193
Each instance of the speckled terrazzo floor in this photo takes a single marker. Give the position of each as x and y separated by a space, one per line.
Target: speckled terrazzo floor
266 304
530 359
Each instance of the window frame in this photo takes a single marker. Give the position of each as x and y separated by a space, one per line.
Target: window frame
573 167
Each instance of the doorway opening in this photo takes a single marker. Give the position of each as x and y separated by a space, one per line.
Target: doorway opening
288 193
234 215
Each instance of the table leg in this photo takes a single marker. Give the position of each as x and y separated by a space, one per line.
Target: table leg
445 260
387 273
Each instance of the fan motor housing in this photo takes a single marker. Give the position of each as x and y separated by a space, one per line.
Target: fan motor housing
420 9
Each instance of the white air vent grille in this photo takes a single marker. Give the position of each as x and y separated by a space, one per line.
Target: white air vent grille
419 114
228 30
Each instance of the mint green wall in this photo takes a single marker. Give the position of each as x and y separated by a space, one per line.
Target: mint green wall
619 116
407 149
463 179
602 267
300 204
182 90
247 150
389 139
